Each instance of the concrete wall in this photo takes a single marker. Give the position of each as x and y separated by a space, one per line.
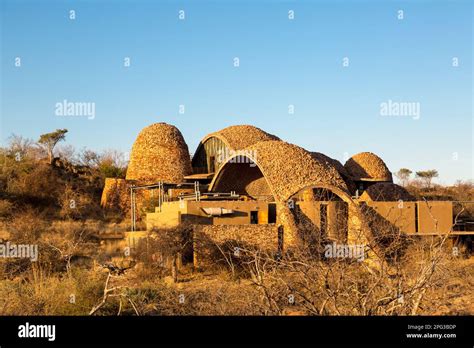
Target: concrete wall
241 215
168 216
432 217
336 218
172 213
435 217
401 215
345 224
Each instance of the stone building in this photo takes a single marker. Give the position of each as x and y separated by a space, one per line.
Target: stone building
242 176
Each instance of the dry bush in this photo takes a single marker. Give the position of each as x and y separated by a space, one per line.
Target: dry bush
156 297
46 294
452 294
66 243
386 239
460 191
173 245
78 204
6 208
345 287
230 255
29 182
59 243
396 281
26 227
37 185
45 286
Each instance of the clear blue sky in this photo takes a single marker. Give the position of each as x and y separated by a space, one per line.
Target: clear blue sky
282 62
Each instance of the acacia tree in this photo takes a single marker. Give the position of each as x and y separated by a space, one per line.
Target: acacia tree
403 175
49 141
427 175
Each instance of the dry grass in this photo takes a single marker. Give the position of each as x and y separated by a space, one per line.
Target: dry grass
454 295
43 293
6 208
264 285
219 294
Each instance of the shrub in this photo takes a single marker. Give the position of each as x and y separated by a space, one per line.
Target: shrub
6 208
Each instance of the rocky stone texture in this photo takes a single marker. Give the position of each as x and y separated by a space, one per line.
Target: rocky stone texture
159 154
339 167
384 191
210 241
241 136
243 178
66 166
289 168
366 165
116 194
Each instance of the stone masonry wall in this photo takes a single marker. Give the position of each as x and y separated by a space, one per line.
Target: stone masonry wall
210 241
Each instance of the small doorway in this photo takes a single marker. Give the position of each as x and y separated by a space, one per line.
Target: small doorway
272 215
254 217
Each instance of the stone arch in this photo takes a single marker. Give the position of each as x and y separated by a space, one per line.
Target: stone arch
242 174
343 207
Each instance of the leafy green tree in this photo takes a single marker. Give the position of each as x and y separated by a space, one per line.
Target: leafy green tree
49 141
427 176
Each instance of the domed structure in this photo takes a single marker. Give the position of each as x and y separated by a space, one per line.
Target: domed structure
277 168
214 148
159 154
241 136
366 166
385 191
339 167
